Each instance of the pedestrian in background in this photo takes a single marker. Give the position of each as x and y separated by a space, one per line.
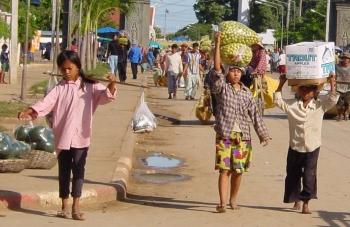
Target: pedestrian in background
4 58
112 55
163 61
122 58
305 116
192 68
135 57
150 59
233 139
274 60
282 61
173 69
73 101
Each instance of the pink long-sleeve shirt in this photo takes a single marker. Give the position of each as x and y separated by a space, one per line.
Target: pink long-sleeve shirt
73 111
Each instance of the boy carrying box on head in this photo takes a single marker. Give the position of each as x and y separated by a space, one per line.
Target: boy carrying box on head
305 115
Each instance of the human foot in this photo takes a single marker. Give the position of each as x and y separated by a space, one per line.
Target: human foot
297 206
78 216
220 209
306 209
62 214
234 206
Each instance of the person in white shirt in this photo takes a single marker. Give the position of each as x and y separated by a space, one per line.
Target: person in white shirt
282 63
305 115
173 69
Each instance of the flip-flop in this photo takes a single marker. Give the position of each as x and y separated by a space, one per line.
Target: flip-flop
220 209
78 216
62 214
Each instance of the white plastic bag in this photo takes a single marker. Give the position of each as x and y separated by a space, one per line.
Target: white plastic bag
143 119
50 85
182 83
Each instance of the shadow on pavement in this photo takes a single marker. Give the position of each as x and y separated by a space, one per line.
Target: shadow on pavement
275 116
13 201
282 209
164 202
334 218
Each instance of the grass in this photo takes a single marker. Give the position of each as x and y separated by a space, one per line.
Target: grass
11 109
3 128
100 72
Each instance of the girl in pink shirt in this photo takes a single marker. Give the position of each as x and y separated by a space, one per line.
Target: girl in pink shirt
73 102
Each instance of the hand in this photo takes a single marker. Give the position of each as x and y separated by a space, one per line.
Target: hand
265 143
111 77
217 38
283 78
331 78
24 114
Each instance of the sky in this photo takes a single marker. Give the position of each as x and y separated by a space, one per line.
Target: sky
180 14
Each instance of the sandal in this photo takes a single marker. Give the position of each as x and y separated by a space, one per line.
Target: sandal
62 214
78 216
220 209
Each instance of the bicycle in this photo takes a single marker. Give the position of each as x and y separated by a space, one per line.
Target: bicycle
259 87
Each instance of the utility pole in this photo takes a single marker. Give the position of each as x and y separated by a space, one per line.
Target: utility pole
288 19
327 20
53 25
25 55
14 42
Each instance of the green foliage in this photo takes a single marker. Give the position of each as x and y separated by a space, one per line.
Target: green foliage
194 31
38 88
213 12
4 29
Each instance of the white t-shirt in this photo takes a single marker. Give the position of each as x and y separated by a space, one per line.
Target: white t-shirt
174 63
282 59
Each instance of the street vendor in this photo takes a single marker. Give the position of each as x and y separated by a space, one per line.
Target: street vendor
257 65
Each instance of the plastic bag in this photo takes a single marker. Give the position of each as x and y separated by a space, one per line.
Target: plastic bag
236 54
143 119
50 85
268 90
204 109
11 148
182 83
235 32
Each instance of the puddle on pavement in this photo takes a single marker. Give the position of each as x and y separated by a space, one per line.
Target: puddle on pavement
159 177
160 161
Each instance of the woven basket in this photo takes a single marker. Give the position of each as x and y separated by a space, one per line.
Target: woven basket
40 160
12 165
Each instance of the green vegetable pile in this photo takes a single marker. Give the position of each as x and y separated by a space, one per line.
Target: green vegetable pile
10 148
38 137
236 39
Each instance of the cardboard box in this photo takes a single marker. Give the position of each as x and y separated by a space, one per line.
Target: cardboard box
292 82
310 60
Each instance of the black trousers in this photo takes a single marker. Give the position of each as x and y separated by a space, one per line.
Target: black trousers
71 161
122 71
301 171
134 70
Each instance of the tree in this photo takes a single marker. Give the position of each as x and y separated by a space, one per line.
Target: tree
262 17
214 12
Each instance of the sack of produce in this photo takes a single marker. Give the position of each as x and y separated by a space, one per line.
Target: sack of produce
236 54
10 148
38 137
205 38
235 32
143 120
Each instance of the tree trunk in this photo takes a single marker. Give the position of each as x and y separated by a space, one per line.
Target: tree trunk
94 56
88 53
300 7
83 51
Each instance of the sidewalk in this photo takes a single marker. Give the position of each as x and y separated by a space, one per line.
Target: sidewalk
106 169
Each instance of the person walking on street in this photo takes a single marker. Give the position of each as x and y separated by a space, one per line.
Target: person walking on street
4 58
342 73
282 61
192 68
256 65
150 59
173 69
73 101
274 60
112 55
184 51
163 61
135 58
233 139
305 116
122 58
